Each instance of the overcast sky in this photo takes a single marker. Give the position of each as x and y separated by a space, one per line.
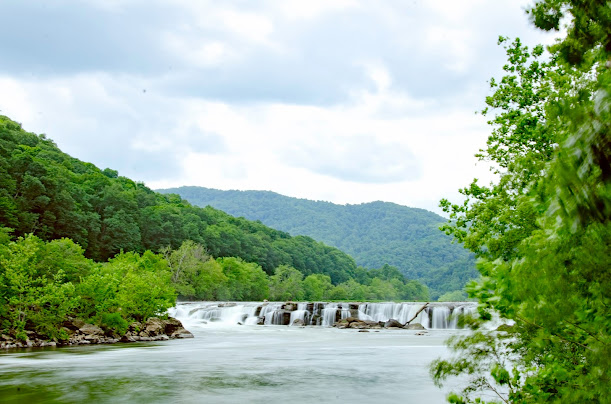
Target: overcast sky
346 101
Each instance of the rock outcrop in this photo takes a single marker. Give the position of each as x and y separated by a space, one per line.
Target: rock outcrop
353 322
80 333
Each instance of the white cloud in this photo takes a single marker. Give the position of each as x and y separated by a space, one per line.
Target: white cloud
348 101
198 52
379 75
453 44
249 26
300 10
456 12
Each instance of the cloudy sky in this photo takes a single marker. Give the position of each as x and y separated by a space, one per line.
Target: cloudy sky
347 101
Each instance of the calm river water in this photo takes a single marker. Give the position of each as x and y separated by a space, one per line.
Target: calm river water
233 364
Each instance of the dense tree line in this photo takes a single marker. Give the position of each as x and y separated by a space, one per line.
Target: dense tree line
375 234
45 192
542 232
198 276
42 284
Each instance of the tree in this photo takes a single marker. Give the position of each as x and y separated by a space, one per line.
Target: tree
353 291
286 284
317 287
587 31
545 250
456 296
195 274
144 289
32 298
493 219
246 281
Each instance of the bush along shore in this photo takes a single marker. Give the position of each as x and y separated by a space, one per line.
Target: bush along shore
81 333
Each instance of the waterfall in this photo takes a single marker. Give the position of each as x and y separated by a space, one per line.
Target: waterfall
457 312
299 315
402 312
345 310
424 319
329 314
440 317
437 315
267 312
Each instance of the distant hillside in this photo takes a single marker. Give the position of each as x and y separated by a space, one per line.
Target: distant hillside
53 195
375 233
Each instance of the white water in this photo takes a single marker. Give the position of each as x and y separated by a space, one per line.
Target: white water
438 316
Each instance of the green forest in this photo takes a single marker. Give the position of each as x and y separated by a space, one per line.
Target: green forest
375 233
80 241
52 195
542 232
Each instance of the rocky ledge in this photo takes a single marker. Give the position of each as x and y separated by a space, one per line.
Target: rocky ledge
81 333
353 322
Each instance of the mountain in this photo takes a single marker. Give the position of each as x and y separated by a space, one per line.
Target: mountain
52 195
375 233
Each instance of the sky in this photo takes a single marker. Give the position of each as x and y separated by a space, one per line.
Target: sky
347 101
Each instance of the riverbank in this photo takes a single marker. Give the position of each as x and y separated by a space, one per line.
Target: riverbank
81 333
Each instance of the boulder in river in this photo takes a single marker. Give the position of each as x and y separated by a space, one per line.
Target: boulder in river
392 323
415 326
171 325
154 326
181 333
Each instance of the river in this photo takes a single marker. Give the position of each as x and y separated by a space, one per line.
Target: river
228 363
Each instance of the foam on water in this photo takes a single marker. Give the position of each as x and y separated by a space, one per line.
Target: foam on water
439 316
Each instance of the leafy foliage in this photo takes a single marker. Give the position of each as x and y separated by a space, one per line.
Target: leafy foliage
37 296
286 284
375 234
245 281
543 231
588 29
197 276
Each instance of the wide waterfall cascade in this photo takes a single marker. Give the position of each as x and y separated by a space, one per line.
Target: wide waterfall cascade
434 316
331 311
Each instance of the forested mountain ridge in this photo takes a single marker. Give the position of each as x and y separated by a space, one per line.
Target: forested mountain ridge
50 194
375 233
